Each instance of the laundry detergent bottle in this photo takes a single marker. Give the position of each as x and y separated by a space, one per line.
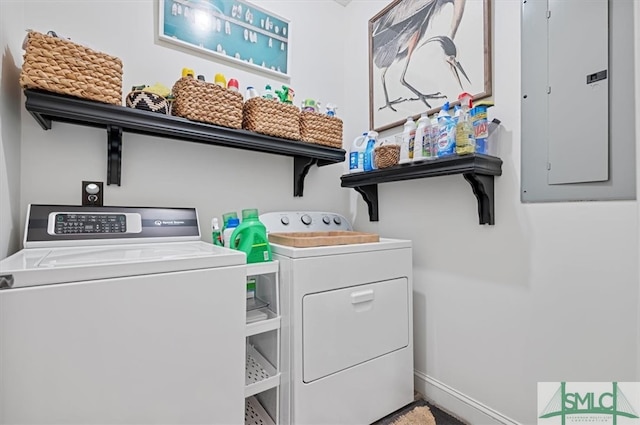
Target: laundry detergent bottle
251 238
356 154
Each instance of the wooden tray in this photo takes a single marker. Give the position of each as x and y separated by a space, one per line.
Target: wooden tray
309 239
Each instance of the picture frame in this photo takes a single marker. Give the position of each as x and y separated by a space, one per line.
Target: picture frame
425 53
235 31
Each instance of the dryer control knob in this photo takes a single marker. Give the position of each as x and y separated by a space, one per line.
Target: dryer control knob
284 220
306 219
337 220
326 220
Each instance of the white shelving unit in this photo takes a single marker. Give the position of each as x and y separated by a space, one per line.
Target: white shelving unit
262 379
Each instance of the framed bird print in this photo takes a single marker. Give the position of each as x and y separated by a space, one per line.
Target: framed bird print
423 53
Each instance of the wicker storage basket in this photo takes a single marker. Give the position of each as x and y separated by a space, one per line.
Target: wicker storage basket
61 66
207 102
138 99
270 117
321 129
386 155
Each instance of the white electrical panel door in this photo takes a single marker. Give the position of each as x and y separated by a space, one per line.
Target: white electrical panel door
578 91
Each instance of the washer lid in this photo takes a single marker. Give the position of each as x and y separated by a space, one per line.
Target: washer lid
44 266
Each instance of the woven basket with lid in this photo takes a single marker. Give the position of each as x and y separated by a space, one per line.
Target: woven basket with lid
207 102
61 66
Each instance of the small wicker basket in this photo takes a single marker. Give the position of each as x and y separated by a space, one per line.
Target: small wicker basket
321 129
139 99
270 117
61 66
207 102
386 155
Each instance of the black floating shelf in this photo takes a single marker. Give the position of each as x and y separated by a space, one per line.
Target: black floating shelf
46 107
477 169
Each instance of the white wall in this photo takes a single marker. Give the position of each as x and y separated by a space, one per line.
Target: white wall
637 64
550 293
163 172
11 34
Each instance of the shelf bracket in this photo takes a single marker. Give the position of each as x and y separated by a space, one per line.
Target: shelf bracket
43 121
114 154
370 195
482 186
301 167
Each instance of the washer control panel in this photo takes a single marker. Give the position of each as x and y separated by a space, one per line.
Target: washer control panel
304 221
66 223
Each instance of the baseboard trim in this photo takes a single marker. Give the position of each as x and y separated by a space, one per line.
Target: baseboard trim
457 403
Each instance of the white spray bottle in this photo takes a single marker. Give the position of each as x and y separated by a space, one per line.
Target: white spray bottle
408 139
421 145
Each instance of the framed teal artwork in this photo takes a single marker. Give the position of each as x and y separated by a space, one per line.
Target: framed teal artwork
233 30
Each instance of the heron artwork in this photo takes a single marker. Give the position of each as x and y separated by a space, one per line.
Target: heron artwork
399 32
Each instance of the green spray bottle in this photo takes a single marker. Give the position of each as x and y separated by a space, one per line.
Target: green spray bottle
216 234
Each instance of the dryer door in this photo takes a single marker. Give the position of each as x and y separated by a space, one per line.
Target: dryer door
345 327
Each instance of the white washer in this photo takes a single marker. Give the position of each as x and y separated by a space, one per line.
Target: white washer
143 323
347 343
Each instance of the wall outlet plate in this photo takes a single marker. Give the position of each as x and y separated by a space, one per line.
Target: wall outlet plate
92 193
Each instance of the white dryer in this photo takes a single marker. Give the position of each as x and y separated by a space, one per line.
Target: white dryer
347 343
121 315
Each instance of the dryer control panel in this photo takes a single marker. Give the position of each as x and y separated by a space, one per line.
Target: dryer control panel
304 221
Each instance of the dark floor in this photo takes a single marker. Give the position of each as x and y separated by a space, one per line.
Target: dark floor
442 418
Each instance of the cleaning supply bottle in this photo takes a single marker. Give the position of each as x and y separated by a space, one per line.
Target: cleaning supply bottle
356 154
465 138
250 93
251 238
433 130
268 92
216 234
408 139
446 132
480 125
421 149
368 161
230 227
225 221
220 80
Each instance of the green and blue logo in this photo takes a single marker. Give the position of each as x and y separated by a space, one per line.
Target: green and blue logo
616 403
